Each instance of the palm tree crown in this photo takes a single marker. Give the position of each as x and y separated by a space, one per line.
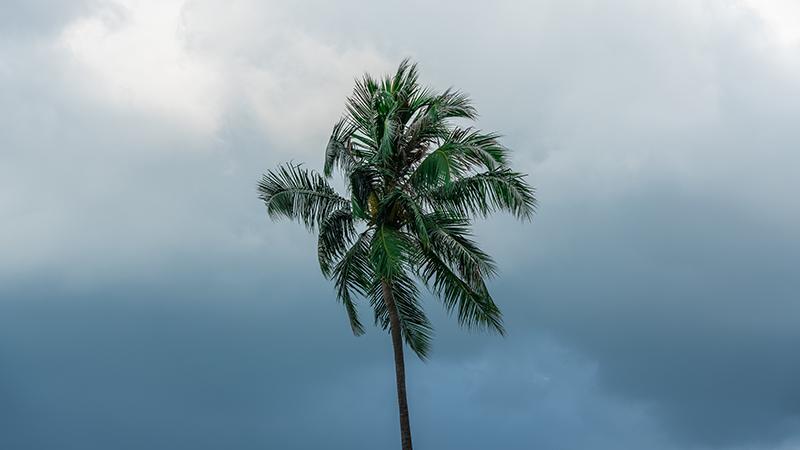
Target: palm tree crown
415 179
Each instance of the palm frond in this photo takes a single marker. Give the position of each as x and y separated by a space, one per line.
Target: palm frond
353 274
339 152
462 150
362 112
451 238
298 194
401 207
414 324
486 192
336 234
451 104
430 120
423 130
474 304
390 252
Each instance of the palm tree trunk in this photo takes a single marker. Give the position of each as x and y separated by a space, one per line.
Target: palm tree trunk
399 365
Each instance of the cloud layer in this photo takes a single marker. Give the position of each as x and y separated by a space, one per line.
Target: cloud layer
146 301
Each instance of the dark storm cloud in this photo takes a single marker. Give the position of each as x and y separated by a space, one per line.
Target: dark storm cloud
696 321
651 304
138 368
164 367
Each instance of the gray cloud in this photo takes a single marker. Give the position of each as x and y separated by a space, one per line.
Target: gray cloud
694 320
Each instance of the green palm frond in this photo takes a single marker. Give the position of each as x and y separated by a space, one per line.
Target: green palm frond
483 193
462 151
336 234
339 152
423 130
390 252
353 274
413 215
299 194
415 326
361 111
472 301
451 238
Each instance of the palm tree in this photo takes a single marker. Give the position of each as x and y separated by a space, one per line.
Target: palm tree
415 179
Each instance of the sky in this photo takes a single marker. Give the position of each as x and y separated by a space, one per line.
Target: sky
146 301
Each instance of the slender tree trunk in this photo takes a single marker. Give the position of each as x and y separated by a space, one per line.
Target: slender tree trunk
399 365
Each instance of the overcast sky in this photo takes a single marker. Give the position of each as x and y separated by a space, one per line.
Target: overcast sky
146 302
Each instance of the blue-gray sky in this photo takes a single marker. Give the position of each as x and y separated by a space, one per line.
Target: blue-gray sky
147 302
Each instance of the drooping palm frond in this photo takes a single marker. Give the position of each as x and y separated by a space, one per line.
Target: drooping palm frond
486 192
462 151
450 104
451 238
414 324
390 252
336 234
471 300
299 194
353 274
339 152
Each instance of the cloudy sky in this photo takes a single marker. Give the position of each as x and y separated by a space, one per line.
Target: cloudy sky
146 302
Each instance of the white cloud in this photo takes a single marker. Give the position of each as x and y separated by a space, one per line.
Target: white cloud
134 56
291 78
781 17
191 61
